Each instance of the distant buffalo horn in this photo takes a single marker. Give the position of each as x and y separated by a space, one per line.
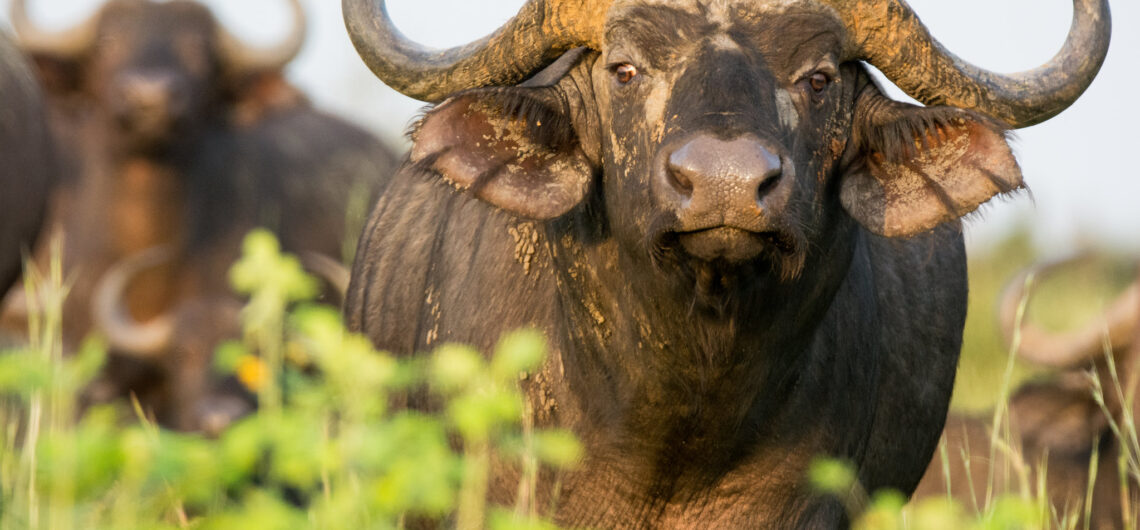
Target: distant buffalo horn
1073 348
113 318
241 57
886 33
36 40
237 55
330 270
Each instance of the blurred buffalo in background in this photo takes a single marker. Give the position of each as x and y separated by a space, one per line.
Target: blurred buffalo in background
26 155
1074 432
180 137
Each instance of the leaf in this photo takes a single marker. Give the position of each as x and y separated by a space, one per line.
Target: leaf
832 476
518 352
455 368
558 448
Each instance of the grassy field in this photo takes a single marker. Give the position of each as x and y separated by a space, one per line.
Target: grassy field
325 451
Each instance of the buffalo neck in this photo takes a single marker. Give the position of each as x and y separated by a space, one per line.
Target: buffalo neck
652 372
148 189
144 206
148 210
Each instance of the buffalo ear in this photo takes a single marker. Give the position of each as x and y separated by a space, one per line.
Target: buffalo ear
512 147
920 167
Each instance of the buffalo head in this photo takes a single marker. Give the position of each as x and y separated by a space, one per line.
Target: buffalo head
717 136
156 71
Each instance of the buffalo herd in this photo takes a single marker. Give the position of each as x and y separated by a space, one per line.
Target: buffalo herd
743 254
175 138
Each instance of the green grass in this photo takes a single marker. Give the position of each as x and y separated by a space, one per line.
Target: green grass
326 450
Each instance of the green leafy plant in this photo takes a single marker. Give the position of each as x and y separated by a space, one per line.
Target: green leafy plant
325 449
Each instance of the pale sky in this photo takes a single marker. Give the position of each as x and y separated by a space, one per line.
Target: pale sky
1086 187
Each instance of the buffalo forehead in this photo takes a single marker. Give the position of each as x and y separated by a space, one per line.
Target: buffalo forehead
147 34
788 33
158 16
145 23
726 12
727 6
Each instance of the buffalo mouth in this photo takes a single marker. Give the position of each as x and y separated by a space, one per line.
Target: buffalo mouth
734 245
727 249
147 133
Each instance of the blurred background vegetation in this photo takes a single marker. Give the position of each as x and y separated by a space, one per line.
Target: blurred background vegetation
1070 298
324 450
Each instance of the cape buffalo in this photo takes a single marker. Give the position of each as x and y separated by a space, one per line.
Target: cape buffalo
743 254
26 167
182 137
1057 424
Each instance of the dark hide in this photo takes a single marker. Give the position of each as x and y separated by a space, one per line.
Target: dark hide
704 356
27 161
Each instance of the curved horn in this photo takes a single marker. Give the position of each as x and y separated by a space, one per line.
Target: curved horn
1073 348
330 270
889 35
540 32
241 58
36 40
124 334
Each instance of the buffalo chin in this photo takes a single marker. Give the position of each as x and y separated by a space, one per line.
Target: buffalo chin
715 260
729 249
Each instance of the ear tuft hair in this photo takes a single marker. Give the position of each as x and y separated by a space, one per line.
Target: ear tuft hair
899 131
917 167
545 124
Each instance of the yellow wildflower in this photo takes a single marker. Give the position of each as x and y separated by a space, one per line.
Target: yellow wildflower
252 372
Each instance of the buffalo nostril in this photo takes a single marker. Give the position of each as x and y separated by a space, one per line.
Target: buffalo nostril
681 183
768 184
769 168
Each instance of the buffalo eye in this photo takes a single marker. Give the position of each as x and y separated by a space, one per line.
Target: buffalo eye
625 73
816 83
